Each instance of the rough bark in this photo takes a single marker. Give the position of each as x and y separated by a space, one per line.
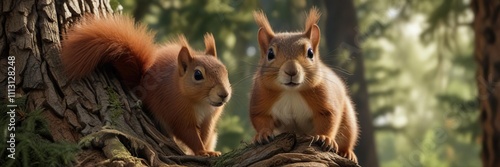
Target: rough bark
285 150
487 54
98 112
342 33
32 33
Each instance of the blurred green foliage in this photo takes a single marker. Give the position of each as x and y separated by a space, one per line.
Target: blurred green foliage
421 75
418 57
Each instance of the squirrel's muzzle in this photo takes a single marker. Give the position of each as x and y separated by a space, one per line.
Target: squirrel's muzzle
219 95
291 74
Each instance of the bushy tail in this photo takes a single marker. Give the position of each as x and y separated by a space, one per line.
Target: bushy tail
116 40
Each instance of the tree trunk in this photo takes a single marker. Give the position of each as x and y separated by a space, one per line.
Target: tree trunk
487 53
342 33
98 112
96 107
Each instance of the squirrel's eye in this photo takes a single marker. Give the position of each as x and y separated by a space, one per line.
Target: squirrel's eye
270 54
198 75
310 53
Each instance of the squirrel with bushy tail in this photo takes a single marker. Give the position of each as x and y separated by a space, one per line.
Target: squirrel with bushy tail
184 89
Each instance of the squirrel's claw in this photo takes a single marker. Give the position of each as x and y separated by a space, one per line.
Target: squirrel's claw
264 137
350 155
326 143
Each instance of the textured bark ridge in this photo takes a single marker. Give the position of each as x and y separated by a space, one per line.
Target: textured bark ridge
286 150
98 112
487 56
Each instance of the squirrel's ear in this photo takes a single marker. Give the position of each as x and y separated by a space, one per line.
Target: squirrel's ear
184 59
314 35
210 45
312 29
265 33
264 39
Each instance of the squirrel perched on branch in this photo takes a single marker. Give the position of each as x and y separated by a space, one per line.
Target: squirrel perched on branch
294 91
185 90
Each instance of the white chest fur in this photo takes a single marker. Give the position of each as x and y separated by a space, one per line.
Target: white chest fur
203 111
292 113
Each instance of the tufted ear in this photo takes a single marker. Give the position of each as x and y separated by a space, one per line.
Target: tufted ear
183 59
311 28
264 39
210 45
266 33
314 35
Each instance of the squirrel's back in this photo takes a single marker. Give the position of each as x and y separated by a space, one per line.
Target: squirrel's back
116 40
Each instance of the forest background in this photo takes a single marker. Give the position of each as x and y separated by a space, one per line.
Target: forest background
409 66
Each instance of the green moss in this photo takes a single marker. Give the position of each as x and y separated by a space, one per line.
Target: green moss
115 105
33 142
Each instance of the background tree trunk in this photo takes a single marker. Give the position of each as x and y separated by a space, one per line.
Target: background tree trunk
342 33
97 111
487 53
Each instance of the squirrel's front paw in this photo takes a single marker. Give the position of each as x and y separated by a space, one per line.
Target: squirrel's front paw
349 155
264 136
326 143
208 153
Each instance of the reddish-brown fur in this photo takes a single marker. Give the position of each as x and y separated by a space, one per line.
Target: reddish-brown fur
317 105
163 76
97 40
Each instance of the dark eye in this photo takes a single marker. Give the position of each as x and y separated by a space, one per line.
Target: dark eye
198 75
270 54
310 53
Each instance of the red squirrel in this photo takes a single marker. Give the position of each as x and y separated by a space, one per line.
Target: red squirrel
294 91
185 90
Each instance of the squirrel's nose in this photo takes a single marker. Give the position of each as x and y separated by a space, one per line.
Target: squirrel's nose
223 95
291 72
